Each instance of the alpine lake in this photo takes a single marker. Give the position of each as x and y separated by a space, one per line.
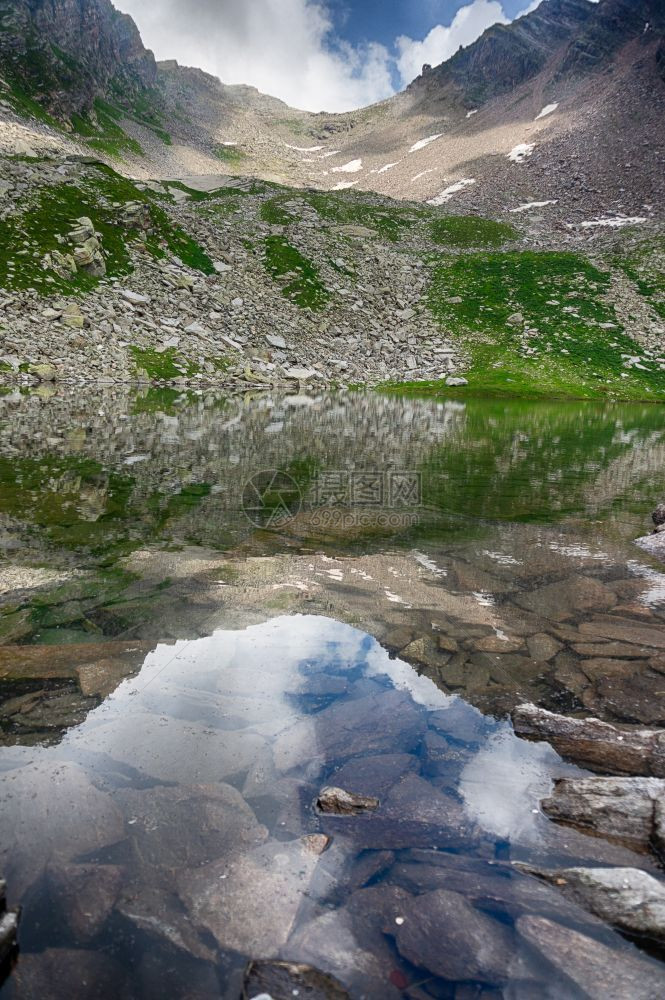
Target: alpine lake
212 608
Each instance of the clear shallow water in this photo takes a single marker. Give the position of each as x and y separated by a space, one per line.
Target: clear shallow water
193 680
179 809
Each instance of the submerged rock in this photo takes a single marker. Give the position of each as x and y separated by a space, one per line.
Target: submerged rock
170 749
387 721
316 843
440 931
186 826
82 896
249 904
343 803
374 775
355 952
63 973
600 971
595 744
628 810
159 913
285 980
51 811
565 599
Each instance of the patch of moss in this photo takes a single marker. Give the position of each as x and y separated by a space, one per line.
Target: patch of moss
19 97
162 367
271 211
180 243
468 231
645 265
298 276
104 132
162 400
47 217
230 154
349 208
537 324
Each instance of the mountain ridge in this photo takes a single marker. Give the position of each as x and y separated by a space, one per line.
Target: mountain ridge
489 126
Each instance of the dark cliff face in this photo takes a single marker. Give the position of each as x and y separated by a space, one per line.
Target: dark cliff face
506 56
611 25
67 52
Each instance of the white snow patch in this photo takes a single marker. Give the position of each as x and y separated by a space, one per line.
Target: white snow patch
383 170
229 144
616 223
470 114
578 551
520 152
423 173
396 599
502 558
534 204
425 142
547 110
446 195
429 564
344 185
333 152
352 167
304 149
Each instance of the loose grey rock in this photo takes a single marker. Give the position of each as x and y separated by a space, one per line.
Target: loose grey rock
276 341
287 979
658 515
601 972
595 744
628 810
342 803
628 898
134 297
8 927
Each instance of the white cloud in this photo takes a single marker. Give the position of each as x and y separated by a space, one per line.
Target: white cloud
286 48
443 41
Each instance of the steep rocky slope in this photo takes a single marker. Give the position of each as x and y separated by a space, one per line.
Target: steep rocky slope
256 284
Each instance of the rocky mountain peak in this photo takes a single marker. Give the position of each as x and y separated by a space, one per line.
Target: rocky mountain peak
64 53
586 34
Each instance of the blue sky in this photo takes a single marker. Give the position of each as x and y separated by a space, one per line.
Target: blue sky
362 21
319 55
